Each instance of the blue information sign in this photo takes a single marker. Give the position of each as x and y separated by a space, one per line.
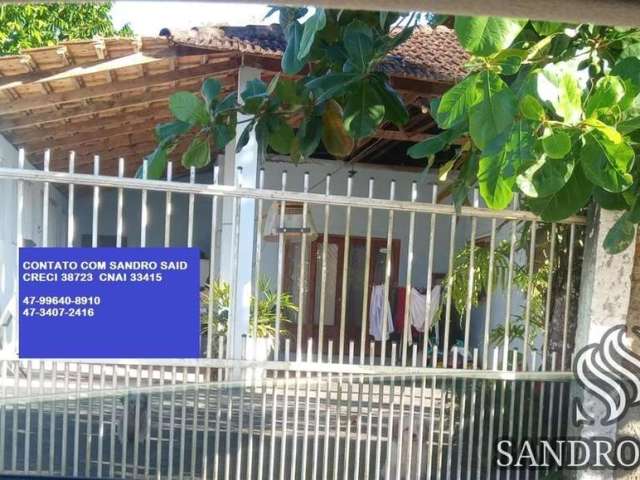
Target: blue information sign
109 303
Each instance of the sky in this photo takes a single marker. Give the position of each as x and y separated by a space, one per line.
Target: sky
147 17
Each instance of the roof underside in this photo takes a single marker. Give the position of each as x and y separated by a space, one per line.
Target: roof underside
105 96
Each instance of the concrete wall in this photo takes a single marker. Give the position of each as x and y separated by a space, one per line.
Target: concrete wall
31 224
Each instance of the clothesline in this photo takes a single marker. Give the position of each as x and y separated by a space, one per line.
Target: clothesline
417 311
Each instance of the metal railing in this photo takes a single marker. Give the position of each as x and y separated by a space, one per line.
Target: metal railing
321 406
181 420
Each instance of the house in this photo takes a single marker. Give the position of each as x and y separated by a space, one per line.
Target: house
329 239
101 99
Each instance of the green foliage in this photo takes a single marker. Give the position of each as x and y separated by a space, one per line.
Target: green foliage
217 296
573 92
497 277
547 110
40 25
343 96
485 36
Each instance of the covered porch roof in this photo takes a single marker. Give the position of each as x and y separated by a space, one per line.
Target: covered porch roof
105 96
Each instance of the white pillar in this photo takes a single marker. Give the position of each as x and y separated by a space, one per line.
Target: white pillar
604 302
236 267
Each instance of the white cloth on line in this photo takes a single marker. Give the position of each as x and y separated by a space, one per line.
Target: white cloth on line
418 308
376 313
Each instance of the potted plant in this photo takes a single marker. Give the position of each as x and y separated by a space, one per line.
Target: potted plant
262 330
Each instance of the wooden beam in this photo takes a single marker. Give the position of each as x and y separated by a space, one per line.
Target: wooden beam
402 136
425 88
40 101
269 64
75 71
53 134
133 156
86 110
95 147
77 141
132 153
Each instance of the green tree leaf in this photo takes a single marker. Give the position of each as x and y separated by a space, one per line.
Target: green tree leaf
607 164
222 134
494 113
210 90
496 188
628 69
170 130
547 28
467 177
620 236
313 25
364 110
608 200
331 85
607 131
254 96
634 212
290 91
545 177
187 107
227 104
558 84
307 139
244 137
198 154
630 125
394 108
501 162
509 60
358 43
556 143
156 163
292 61
531 108
608 91
485 36
280 135
435 144
455 104
567 201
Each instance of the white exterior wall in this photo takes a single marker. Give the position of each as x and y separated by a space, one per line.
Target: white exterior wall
318 169
31 225
273 172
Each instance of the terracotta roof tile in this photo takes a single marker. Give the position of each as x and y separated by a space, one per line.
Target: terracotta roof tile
430 54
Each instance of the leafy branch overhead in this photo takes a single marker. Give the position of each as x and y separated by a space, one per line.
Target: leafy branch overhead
547 110
341 97
41 24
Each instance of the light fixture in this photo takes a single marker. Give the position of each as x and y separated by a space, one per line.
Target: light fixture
293 226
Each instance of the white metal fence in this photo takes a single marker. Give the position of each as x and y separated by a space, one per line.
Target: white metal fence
329 402
184 420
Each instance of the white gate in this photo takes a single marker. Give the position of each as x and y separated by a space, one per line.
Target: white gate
328 402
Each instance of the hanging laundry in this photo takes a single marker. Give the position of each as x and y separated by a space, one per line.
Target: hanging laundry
376 314
418 308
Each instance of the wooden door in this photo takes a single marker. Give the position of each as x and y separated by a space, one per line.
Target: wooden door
355 286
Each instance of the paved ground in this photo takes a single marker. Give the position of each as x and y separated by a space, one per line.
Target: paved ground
206 428
87 442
